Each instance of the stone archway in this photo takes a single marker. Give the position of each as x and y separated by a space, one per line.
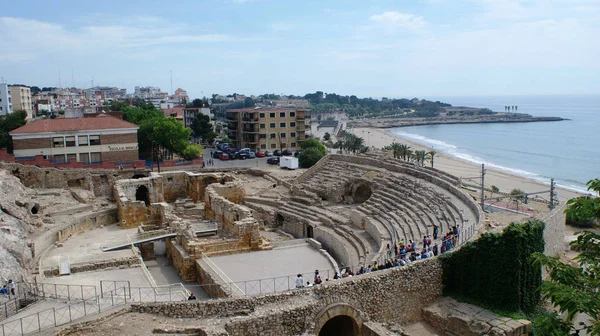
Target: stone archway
279 220
338 319
142 194
356 192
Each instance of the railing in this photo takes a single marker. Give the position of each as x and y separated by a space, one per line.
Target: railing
233 289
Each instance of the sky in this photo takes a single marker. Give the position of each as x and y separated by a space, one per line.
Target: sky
377 48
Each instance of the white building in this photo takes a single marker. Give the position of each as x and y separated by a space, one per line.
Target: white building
5 100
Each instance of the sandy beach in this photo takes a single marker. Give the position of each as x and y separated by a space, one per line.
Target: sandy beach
379 138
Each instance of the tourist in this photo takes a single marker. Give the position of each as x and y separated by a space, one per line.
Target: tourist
299 281
403 252
308 284
192 297
318 280
424 242
11 286
361 270
396 251
336 276
414 245
436 230
429 253
4 290
316 275
435 249
368 269
443 248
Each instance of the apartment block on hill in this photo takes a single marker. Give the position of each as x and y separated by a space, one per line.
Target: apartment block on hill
5 100
90 140
268 128
21 99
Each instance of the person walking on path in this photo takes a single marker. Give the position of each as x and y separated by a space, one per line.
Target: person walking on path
11 286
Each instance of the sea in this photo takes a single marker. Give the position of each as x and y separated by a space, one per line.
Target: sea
568 151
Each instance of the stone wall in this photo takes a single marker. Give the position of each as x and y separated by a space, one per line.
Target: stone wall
554 233
395 295
79 224
94 266
183 263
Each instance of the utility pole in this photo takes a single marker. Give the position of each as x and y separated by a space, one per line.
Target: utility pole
482 185
552 184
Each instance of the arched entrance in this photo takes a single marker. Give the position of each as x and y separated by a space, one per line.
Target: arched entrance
341 325
338 319
279 220
356 191
142 194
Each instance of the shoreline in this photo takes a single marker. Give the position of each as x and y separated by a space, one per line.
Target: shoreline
381 137
386 123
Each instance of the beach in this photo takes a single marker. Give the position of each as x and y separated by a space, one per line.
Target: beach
379 138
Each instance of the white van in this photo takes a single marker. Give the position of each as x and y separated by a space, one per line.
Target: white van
288 162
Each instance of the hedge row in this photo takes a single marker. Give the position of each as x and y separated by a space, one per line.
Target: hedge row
496 270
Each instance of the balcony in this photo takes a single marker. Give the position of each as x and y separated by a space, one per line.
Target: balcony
250 120
250 130
232 126
232 116
300 127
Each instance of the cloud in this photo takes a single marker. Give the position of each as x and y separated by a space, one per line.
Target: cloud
26 39
394 21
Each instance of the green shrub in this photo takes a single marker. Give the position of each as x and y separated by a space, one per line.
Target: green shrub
496 270
309 157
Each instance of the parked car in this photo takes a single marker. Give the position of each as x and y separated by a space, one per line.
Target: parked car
287 152
230 150
260 154
251 155
217 154
297 154
246 150
241 155
277 152
267 153
273 160
224 157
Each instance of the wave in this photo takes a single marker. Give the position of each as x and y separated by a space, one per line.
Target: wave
463 155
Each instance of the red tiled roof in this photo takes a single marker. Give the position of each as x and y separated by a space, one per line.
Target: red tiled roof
102 121
176 112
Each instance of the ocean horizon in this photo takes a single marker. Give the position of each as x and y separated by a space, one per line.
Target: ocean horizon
567 151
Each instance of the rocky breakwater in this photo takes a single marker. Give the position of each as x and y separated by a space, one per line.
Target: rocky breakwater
481 119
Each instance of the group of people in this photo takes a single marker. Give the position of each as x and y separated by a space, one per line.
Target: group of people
8 289
209 162
401 255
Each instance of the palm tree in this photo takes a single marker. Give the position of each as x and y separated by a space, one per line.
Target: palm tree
405 151
419 157
430 156
395 147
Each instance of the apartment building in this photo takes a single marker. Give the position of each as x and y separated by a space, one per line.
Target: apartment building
5 100
87 140
21 99
268 128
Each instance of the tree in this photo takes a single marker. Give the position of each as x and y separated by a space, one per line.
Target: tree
405 151
313 143
309 157
327 136
584 211
202 128
431 154
196 103
420 156
9 123
249 102
192 151
137 115
494 190
395 148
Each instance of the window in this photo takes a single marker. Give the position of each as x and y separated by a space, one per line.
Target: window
272 115
58 142
94 141
261 115
293 144
273 145
272 125
59 158
263 125
263 136
282 135
292 134
263 146
283 145
70 141
281 114
273 135
282 124
293 124
292 114
95 157
83 140
71 156
84 157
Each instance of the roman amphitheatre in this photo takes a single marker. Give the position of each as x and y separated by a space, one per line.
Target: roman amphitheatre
219 251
